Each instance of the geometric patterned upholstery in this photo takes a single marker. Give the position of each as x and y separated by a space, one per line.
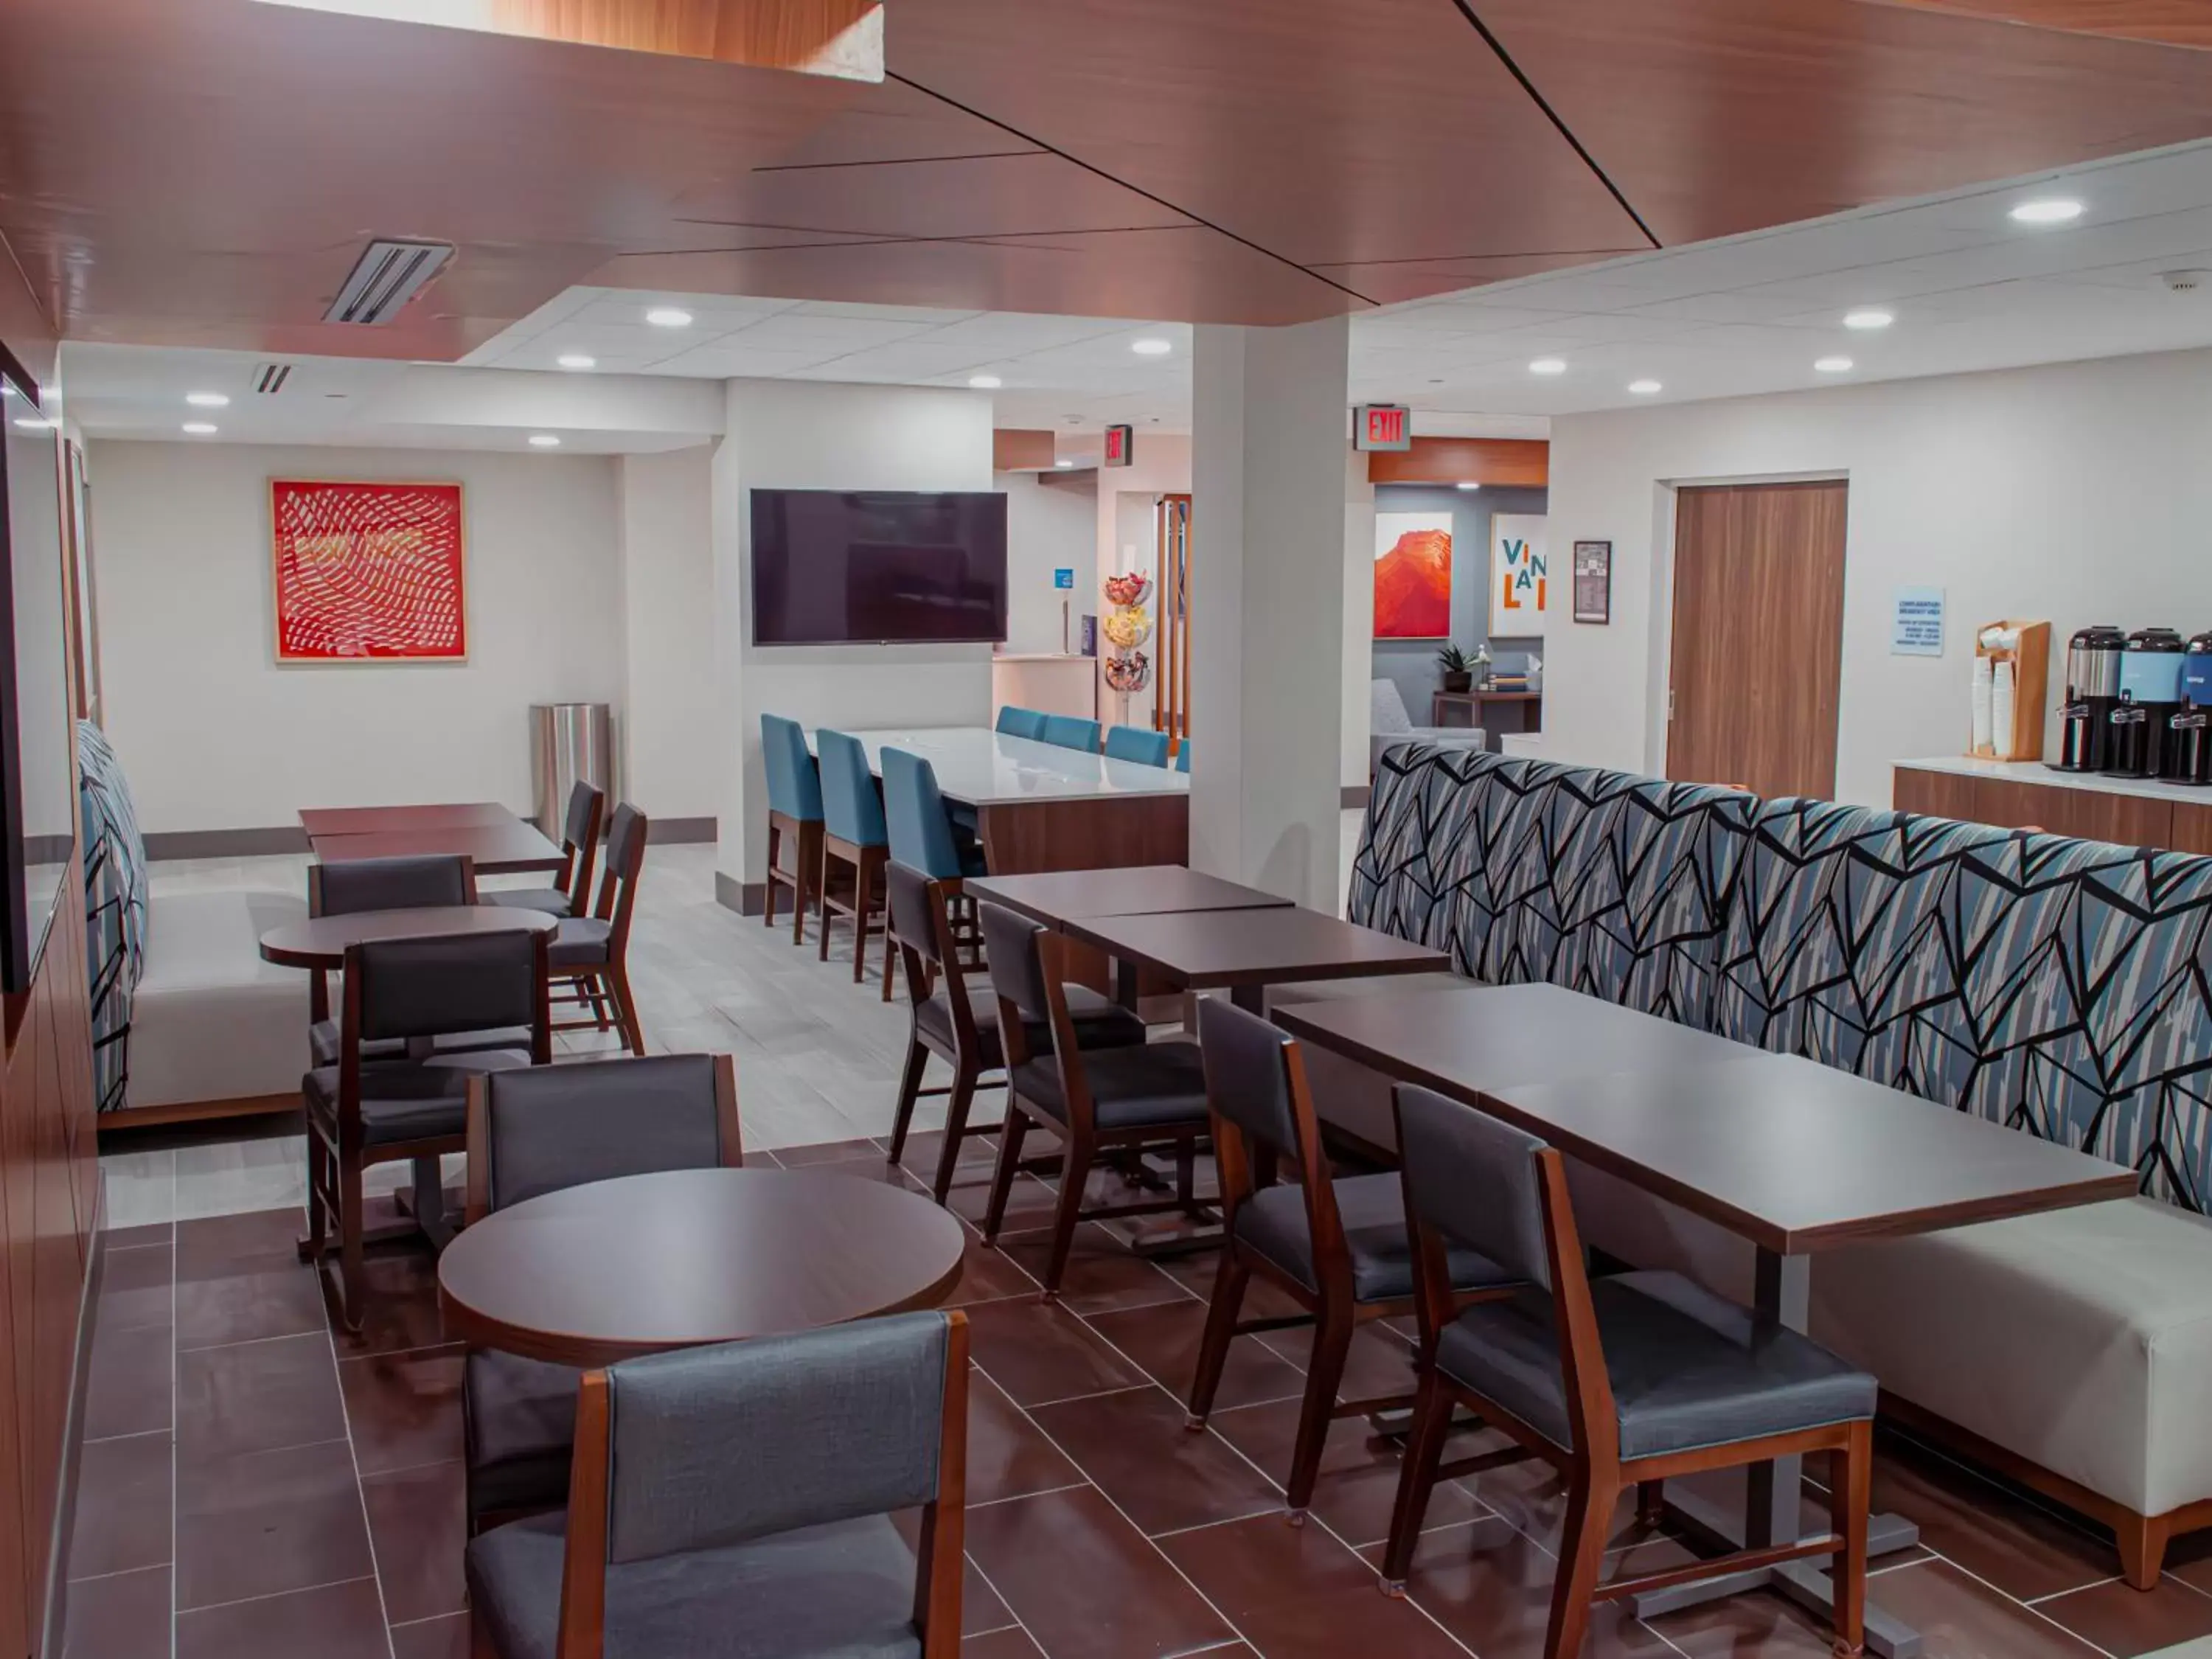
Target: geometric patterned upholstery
2057 985
115 909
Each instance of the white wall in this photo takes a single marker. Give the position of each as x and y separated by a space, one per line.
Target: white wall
799 435
213 735
2076 493
1051 524
1127 518
667 717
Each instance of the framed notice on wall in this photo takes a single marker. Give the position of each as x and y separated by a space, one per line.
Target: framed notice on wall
1593 576
369 572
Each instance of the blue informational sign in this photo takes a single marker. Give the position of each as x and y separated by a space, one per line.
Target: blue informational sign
1916 626
1064 577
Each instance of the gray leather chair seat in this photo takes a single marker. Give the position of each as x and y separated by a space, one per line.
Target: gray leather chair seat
1130 1088
581 942
1099 1023
1373 1210
551 900
324 1042
1689 1369
845 1590
518 1417
406 1102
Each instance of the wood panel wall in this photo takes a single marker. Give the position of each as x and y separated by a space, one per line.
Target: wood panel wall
2090 814
48 1185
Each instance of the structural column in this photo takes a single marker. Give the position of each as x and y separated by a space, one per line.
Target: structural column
1272 497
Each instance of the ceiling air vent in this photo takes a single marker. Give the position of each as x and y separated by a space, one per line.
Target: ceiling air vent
269 378
387 277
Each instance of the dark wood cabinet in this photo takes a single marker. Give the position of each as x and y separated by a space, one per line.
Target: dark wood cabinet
2090 814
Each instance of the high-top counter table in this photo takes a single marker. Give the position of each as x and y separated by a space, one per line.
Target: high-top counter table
1039 806
2014 794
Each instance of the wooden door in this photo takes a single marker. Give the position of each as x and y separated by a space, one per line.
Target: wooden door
1758 649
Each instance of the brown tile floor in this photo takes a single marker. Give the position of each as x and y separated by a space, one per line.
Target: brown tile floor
254 1487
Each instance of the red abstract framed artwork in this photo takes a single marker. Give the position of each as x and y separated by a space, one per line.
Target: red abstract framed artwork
369 572
1413 576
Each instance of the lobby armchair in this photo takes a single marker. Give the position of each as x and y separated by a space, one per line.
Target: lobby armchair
1387 725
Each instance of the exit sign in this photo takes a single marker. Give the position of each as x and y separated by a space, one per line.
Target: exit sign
1380 426
1121 445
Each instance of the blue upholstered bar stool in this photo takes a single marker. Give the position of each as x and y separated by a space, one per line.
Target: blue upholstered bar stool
854 835
1069 732
1134 743
1182 755
926 837
794 810
1021 723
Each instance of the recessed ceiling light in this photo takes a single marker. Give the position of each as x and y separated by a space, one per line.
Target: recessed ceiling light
200 428
2047 210
668 317
1872 317
1833 365
35 423
6 391
543 441
1468 485
1645 388
1151 348
576 360
1063 463
208 399
985 382
1548 366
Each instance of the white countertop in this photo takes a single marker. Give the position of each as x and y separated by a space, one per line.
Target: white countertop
982 768
2035 772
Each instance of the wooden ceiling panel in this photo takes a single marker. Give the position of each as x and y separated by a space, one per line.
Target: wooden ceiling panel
894 122
1328 132
2171 22
1193 274
975 195
1717 117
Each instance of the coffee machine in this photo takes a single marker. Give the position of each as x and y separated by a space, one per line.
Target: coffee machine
2189 732
2150 695
2093 691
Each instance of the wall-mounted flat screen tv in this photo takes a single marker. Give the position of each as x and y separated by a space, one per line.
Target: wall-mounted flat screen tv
37 784
874 567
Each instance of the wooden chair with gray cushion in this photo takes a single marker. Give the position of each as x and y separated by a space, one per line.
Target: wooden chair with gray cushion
592 952
1125 1102
571 891
1626 1382
542 1131
359 1113
1339 1248
432 881
959 1022
737 1500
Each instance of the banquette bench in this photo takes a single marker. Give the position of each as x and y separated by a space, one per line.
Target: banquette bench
2055 985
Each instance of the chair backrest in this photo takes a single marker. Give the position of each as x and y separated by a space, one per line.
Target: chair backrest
627 833
1010 946
402 884
1386 710
580 844
794 786
1182 755
851 809
715 1446
1021 722
915 819
1134 743
1070 733
445 983
1255 1083
555 1126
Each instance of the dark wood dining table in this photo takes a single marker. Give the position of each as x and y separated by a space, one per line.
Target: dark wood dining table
612 1269
322 941
1244 951
1053 897
1790 1154
508 849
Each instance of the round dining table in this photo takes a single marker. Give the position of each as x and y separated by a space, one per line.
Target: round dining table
612 1269
321 941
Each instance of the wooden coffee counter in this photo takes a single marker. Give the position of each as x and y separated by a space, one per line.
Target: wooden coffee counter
2013 795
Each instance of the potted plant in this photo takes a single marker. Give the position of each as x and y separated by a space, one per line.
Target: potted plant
1459 673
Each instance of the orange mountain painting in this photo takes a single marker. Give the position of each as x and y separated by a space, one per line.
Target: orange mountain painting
1413 576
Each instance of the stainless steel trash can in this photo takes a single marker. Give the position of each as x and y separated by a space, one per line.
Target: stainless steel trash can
570 742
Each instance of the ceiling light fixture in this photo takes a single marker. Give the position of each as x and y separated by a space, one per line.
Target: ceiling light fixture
543 441
668 317
1548 366
1833 365
6 391
35 423
1468 484
200 428
2047 210
985 382
576 360
208 399
1872 317
1645 388
1151 348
